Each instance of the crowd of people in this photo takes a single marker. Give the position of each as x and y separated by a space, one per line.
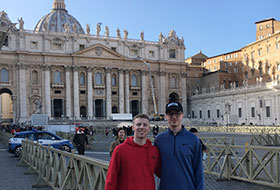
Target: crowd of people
19 127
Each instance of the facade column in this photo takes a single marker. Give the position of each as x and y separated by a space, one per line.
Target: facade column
68 96
276 110
76 93
144 88
184 94
162 88
47 91
89 97
1 110
22 97
108 94
127 92
121 91
246 110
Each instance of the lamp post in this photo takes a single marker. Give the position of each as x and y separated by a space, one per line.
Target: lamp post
151 83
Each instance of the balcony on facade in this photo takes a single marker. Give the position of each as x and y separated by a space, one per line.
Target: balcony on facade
57 85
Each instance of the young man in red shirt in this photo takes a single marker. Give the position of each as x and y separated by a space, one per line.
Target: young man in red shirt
135 161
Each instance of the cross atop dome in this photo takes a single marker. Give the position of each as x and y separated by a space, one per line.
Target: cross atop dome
59 4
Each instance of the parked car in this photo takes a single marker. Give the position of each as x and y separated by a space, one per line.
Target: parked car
42 137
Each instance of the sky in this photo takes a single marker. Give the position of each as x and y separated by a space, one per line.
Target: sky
211 26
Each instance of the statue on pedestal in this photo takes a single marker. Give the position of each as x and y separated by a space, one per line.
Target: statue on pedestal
21 23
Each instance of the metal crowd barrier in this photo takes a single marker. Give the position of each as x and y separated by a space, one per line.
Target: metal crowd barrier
240 129
265 140
255 164
218 140
4 138
62 170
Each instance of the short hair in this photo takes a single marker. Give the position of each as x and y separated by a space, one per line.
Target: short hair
119 129
141 115
193 130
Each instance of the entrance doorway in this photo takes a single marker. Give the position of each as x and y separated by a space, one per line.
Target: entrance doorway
57 108
83 111
99 108
134 107
6 105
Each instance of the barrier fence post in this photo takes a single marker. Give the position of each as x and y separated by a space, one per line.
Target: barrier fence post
226 164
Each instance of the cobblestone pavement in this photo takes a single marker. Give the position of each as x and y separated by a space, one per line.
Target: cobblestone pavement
12 176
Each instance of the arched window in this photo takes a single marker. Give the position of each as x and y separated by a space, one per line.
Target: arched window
114 80
133 80
34 77
4 75
98 78
173 82
57 77
82 79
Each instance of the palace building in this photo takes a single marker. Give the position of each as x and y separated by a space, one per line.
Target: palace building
242 86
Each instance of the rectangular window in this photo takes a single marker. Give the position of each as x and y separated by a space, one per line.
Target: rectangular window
33 45
6 41
151 53
239 112
218 113
133 52
208 113
57 46
114 49
260 52
252 111
82 92
200 114
278 45
267 109
172 53
192 114
82 46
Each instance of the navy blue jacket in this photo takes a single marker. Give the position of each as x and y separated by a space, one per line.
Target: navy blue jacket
181 161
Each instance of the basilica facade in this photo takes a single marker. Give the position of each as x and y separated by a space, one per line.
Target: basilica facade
61 70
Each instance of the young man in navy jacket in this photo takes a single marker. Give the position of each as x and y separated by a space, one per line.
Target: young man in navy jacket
180 152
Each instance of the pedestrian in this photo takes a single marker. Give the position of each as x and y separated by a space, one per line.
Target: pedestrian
135 161
204 147
80 140
181 154
120 137
155 130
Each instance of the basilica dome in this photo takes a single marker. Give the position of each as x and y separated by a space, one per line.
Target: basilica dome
58 20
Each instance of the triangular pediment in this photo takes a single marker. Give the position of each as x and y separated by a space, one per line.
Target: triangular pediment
98 50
